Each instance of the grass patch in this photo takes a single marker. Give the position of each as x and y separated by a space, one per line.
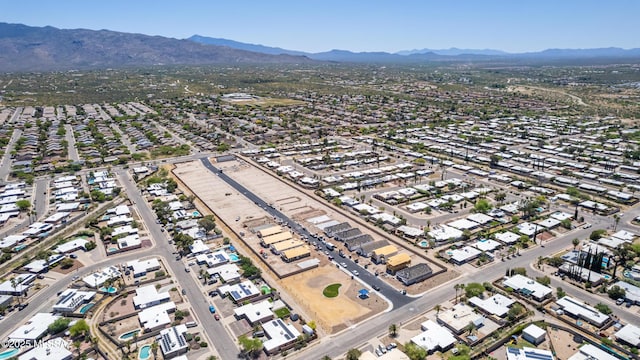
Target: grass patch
331 291
282 313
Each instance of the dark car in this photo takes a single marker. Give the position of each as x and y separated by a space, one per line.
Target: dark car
184 292
375 287
22 306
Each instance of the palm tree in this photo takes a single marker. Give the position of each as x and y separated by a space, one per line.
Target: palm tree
14 285
393 330
437 308
616 221
458 287
154 349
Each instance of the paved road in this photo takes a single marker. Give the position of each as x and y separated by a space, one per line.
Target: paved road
396 298
223 343
5 167
44 299
71 143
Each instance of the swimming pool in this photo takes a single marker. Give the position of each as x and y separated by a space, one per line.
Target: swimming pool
9 353
234 257
195 214
144 352
86 308
423 243
110 290
112 249
129 334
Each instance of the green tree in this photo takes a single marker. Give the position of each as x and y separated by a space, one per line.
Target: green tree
544 280
482 206
353 354
66 263
616 292
603 308
23 205
414 352
183 242
556 261
250 347
208 223
515 311
59 325
79 328
473 289
560 293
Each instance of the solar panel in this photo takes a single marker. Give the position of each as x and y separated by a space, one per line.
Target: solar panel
289 334
513 350
533 355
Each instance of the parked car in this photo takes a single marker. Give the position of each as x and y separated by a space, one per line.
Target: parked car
217 317
619 301
73 256
212 309
375 287
184 292
22 306
355 272
213 293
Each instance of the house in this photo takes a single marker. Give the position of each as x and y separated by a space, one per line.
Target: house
444 233
229 273
398 262
140 268
35 328
23 283
147 296
255 313
528 287
279 335
507 237
463 255
591 352
71 246
100 277
52 349
70 299
213 259
239 292
172 341
458 317
630 335
414 274
580 310
434 337
157 316
198 247
527 353
534 334
497 305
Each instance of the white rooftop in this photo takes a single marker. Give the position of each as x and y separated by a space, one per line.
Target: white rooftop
582 310
433 337
278 333
52 349
497 304
148 296
156 316
630 334
34 328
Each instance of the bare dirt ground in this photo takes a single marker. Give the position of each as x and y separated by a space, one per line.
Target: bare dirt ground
333 314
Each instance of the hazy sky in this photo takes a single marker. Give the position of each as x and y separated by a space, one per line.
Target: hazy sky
357 25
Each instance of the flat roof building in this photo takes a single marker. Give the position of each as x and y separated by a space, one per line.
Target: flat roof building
528 287
35 328
458 317
629 334
497 305
70 299
240 292
578 309
147 296
52 349
279 334
142 267
157 316
172 341
434 337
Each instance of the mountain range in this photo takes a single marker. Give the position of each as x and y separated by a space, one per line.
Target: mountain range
26 48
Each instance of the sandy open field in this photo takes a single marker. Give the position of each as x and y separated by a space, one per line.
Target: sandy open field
305 288
332 314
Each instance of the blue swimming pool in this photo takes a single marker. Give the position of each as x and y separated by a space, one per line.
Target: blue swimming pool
145 351
110 290
129 334
195 214
9 353
86 308
234 257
